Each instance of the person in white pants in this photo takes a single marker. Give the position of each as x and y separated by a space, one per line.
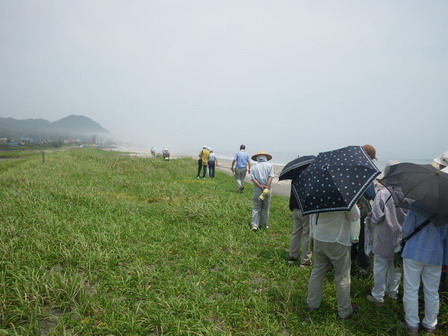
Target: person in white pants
425 255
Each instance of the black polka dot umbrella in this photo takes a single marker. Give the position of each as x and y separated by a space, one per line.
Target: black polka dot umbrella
335 180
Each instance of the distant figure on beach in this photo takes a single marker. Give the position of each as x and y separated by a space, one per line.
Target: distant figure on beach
299 247
385 222
204 156
212 163
359 257
332 243
153 152
165 153
262 174
242 162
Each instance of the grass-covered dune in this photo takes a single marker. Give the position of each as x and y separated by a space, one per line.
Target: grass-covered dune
99 243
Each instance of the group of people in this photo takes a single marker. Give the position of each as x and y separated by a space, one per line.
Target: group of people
165 153
374 227
424 256
207 160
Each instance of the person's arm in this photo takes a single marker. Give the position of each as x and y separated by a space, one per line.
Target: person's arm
377 215
258 184
268 185
233 165
271 177
248 167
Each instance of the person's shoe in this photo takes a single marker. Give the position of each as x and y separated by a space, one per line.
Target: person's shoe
372 299
307 264
429 330
254 228
312 309
292 260
413 331
354 308
198 177
394 298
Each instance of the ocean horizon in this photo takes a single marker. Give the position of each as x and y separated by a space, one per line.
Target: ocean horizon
282 158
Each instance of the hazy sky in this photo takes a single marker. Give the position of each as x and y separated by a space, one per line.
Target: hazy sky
283 76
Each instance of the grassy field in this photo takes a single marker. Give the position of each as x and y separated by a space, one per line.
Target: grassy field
98 243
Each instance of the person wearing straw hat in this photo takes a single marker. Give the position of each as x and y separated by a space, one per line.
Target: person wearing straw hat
442 161
261 175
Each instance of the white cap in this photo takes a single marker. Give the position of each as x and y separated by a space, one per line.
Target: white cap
442 159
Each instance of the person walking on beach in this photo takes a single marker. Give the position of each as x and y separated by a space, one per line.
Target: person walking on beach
425 256
240 167
300 237
385 222
332 242
204 155
358 255
165 153
261 175
212 163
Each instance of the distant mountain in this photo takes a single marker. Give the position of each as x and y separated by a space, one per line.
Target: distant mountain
72 126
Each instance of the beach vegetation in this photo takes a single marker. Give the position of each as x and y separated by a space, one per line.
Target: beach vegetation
99 243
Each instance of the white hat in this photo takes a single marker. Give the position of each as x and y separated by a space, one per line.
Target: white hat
386 169
442 159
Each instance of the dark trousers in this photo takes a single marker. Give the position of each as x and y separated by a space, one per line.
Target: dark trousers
211 168
358 255
200 166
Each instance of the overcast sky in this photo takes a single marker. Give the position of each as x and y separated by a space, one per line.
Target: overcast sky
283 76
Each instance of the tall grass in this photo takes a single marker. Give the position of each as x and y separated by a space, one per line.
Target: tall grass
97 243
